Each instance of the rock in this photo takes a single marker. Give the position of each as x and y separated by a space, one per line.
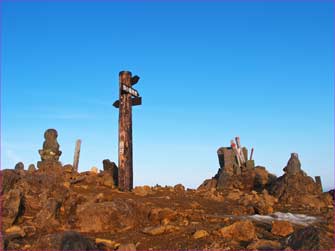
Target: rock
262 176
68 240
15 230
227 161
68 168
31 168
239 231
235 194
293 165
109 215
127 247
332 194
282 228
29 230
9 179
47 217
162 215
179 188
107 181
295 187
112 169
142 190
264 245
208 185
19 166
12 207
156 230
94 170
200 234
75 241
305 239
107 243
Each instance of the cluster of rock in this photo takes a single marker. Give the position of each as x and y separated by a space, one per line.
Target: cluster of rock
56 207
293 187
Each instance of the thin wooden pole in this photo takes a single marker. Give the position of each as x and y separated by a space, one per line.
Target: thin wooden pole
76 155
252 153
125 134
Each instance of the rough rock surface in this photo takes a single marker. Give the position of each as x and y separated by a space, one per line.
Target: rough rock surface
53 208
282 228
295 187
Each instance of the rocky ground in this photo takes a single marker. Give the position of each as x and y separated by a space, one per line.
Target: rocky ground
59 209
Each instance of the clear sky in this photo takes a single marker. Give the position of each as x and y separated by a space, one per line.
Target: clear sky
209 71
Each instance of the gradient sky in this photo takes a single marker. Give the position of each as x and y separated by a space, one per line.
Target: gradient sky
209 72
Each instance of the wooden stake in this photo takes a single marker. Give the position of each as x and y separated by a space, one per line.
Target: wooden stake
239 150
233 146
251 153
76 155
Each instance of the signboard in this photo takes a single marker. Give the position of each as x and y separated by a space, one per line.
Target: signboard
129 90
134 101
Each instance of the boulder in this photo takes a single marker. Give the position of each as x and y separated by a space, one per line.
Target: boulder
19 166
179 188
239 231
9 179
200 234
94 170
109 215
208 184
48 216
127 247
293 165
264 245
68 240
160 215
13 207
142 190
295 187
111 168
305 239
156 230
107 243
282 228
31 168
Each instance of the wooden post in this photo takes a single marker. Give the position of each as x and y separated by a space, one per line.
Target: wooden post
233 146
318 183
125 103
76 155
252 152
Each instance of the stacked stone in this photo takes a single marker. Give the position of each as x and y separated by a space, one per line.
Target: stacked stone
50 153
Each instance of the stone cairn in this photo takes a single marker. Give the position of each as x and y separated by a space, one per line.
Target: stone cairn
50 153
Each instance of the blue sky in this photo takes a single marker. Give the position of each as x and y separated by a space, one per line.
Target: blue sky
209 71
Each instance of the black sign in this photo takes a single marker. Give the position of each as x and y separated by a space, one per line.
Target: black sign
134 101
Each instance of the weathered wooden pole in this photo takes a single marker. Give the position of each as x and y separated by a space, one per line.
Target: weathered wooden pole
125 103
76 155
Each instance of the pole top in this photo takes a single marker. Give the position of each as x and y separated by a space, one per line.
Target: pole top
125 72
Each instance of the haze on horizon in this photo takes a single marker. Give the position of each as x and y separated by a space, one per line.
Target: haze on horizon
209 71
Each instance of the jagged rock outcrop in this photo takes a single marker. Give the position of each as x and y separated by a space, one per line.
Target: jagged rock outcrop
234 175
295 187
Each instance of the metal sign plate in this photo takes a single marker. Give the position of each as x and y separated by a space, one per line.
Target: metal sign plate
129 90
